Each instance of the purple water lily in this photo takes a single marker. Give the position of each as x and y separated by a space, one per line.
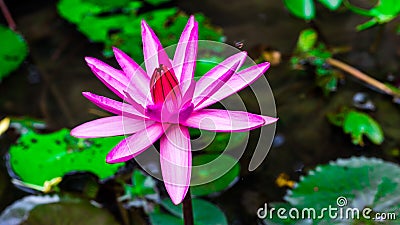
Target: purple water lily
163 101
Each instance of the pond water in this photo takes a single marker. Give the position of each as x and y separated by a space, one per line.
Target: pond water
305 136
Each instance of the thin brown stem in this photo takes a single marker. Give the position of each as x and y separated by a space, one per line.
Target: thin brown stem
188 209
362 76
11 23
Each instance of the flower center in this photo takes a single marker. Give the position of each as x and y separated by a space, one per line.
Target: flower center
163 85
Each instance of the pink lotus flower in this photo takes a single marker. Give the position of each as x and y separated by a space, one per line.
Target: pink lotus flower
164 101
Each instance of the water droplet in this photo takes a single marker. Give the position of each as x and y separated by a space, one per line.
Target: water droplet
361 101
278 141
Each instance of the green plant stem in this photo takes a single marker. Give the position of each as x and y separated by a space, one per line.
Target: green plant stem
188 209
361 76
7 15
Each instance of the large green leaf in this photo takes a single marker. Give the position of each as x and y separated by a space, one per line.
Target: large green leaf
355 183
358 124
12 52
204 213
203 174
37 158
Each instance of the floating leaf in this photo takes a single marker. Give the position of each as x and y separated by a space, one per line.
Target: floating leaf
204 213
359 183
37 158
224 172
12 52
358 124
64 213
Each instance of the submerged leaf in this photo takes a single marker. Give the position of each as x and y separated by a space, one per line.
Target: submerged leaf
223 171
12 52
38 158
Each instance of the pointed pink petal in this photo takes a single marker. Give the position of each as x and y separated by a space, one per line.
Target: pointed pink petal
187 97
135 144
226 121
138 107
153 52
139 81
110 126
113 106
176 162
237 82
184 61
213 80
114 79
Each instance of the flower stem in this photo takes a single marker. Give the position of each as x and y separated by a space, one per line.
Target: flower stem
187 209
7 15
362 76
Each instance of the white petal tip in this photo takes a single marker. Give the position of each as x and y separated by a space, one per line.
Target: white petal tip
269 120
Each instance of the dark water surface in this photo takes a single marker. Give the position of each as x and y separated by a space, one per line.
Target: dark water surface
308 139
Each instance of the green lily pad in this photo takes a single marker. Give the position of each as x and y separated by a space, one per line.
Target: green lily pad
358 124
12 52
37 158
64 213
203 174
359 183
204 213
